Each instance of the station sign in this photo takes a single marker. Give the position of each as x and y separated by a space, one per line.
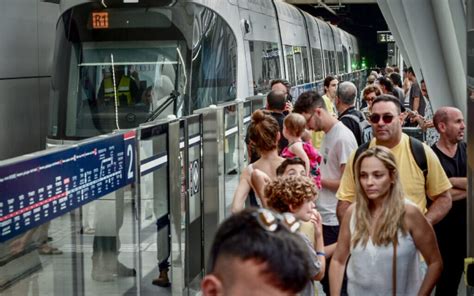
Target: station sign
36 190
385 37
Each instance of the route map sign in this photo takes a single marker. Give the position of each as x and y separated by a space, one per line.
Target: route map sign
36 190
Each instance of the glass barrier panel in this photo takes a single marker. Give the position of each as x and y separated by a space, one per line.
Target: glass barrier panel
231 158
247 118
154 220
194 264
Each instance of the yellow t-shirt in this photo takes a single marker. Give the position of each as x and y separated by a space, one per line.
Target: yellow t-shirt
317 137
307 228
411 175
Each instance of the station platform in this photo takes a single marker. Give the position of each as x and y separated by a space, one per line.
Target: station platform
99 216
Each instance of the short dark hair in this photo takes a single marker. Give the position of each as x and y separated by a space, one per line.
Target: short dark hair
347 92
396 79
282 81
283 255
386 83
410 70
328 79
276 100
307 101
389 98
289 161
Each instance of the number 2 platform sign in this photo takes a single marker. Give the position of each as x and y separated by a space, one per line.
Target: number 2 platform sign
37 189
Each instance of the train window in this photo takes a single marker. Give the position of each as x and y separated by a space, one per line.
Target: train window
327 62
317 64
214 56
290 64
306 76
265 57
120 86
298 58
119 76
341 62
332 62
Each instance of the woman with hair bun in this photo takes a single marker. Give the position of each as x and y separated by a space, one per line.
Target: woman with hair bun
264 134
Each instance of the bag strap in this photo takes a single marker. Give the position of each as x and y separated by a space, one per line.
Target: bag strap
354 118
418 152
358 152
394 268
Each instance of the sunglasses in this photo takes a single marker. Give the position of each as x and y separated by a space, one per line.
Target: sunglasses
386 118
270 221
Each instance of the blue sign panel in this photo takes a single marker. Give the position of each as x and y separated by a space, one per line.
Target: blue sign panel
37 190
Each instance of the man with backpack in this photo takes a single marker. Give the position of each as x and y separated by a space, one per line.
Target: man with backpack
349 115
421 173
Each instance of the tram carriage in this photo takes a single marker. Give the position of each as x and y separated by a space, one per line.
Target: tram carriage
173 57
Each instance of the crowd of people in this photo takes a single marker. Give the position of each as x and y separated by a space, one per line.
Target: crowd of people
343 196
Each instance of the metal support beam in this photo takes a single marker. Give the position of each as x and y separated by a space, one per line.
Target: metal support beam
432 38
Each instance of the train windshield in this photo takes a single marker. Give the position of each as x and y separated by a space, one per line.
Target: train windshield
118 67
120 85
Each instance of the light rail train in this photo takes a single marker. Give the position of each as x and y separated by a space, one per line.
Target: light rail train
118 64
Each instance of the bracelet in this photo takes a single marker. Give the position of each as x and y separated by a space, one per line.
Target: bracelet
320 253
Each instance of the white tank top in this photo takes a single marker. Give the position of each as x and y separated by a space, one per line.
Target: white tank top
369 270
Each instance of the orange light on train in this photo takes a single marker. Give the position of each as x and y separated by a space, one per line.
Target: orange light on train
100 20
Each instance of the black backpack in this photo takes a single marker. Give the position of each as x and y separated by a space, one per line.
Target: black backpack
364 127
416 148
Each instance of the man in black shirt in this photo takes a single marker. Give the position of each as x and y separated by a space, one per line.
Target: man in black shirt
416 102
348 114
451 231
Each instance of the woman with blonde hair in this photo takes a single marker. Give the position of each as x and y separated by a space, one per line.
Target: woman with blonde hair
264 133
384 234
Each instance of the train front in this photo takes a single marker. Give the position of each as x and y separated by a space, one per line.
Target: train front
117 65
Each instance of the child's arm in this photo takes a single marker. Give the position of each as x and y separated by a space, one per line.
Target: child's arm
319 243
297 149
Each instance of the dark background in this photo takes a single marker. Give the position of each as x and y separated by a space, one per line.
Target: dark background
362 21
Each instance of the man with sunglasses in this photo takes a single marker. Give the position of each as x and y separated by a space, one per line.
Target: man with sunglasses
386 121
257 252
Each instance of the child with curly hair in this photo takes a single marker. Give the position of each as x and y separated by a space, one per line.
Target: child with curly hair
296 195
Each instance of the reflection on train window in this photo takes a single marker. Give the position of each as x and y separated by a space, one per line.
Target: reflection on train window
298 64
317 64
290 64
341 62
120 86
214 56
332 61
306 76
265 58
327 63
